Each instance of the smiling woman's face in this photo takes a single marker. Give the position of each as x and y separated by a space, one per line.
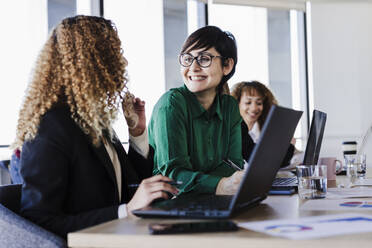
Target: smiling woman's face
251 107
201 80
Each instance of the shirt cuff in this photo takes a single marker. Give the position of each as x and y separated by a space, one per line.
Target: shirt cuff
209 184
122 211
140 143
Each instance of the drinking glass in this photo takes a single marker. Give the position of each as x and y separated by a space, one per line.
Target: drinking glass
355 166
312 181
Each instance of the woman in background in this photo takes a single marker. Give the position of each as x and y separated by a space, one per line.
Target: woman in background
74 169
194 127
255 101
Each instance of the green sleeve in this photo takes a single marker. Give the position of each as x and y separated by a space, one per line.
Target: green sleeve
168 135
235 144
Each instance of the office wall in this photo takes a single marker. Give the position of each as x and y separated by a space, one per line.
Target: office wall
342 71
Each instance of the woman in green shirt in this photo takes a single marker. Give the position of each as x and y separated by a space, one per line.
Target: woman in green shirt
194 127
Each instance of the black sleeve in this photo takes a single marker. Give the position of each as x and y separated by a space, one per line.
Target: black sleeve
247 148
247 142
142 166
288 156
44 169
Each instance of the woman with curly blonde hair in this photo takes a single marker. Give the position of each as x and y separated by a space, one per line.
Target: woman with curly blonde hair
255 101
74 169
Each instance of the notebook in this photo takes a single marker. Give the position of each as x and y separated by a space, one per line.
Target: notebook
255 185
284 186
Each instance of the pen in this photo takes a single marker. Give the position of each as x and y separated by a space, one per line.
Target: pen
232 165
174 183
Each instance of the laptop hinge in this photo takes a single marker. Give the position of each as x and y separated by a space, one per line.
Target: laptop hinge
248 204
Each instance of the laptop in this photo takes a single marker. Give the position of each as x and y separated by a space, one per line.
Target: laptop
285 186
255 185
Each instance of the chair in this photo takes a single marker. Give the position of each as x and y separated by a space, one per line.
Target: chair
16 231
10 169
4 164
4 172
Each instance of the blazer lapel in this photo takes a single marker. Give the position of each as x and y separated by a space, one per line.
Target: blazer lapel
128 174
106 162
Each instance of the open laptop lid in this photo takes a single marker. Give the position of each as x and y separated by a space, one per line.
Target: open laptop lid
267 156
314 141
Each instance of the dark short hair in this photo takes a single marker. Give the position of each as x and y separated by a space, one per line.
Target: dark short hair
211 36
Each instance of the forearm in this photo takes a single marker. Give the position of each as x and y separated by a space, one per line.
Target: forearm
229 185
140 143
221 186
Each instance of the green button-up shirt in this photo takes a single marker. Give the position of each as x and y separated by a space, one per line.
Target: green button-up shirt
191 142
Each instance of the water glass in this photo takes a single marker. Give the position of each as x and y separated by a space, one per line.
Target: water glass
312 181
355 166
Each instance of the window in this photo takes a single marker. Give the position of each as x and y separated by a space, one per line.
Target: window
152 44
270 43
141 30
31 21
21 21
271 49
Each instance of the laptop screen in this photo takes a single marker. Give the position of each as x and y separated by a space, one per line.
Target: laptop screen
315 138
267 155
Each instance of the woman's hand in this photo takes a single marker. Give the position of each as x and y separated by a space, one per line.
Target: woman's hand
149 190
139 110
134 112
229 185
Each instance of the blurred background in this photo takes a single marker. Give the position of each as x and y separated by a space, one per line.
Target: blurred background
312 54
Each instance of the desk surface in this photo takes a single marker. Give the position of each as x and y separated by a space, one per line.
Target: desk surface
134 232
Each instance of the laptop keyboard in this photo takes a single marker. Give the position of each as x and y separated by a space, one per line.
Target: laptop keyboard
288 181
202 204
209 203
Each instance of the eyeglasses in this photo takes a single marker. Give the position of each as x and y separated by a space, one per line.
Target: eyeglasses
204 60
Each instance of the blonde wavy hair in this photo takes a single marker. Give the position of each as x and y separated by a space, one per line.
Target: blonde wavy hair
80 66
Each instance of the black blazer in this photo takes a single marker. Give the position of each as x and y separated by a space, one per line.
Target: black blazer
69 184
248 145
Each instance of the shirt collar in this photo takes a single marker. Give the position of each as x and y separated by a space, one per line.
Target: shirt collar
255 132
197 109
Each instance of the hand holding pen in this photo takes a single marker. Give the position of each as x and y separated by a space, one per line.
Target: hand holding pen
229 185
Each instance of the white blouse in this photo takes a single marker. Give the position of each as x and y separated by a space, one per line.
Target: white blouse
255 132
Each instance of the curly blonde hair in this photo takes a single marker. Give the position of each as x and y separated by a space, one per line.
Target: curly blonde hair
80 66
255 88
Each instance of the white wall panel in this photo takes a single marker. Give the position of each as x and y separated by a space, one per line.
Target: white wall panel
342 71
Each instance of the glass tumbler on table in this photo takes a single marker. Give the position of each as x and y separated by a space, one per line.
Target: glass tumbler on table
355 166
312 181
